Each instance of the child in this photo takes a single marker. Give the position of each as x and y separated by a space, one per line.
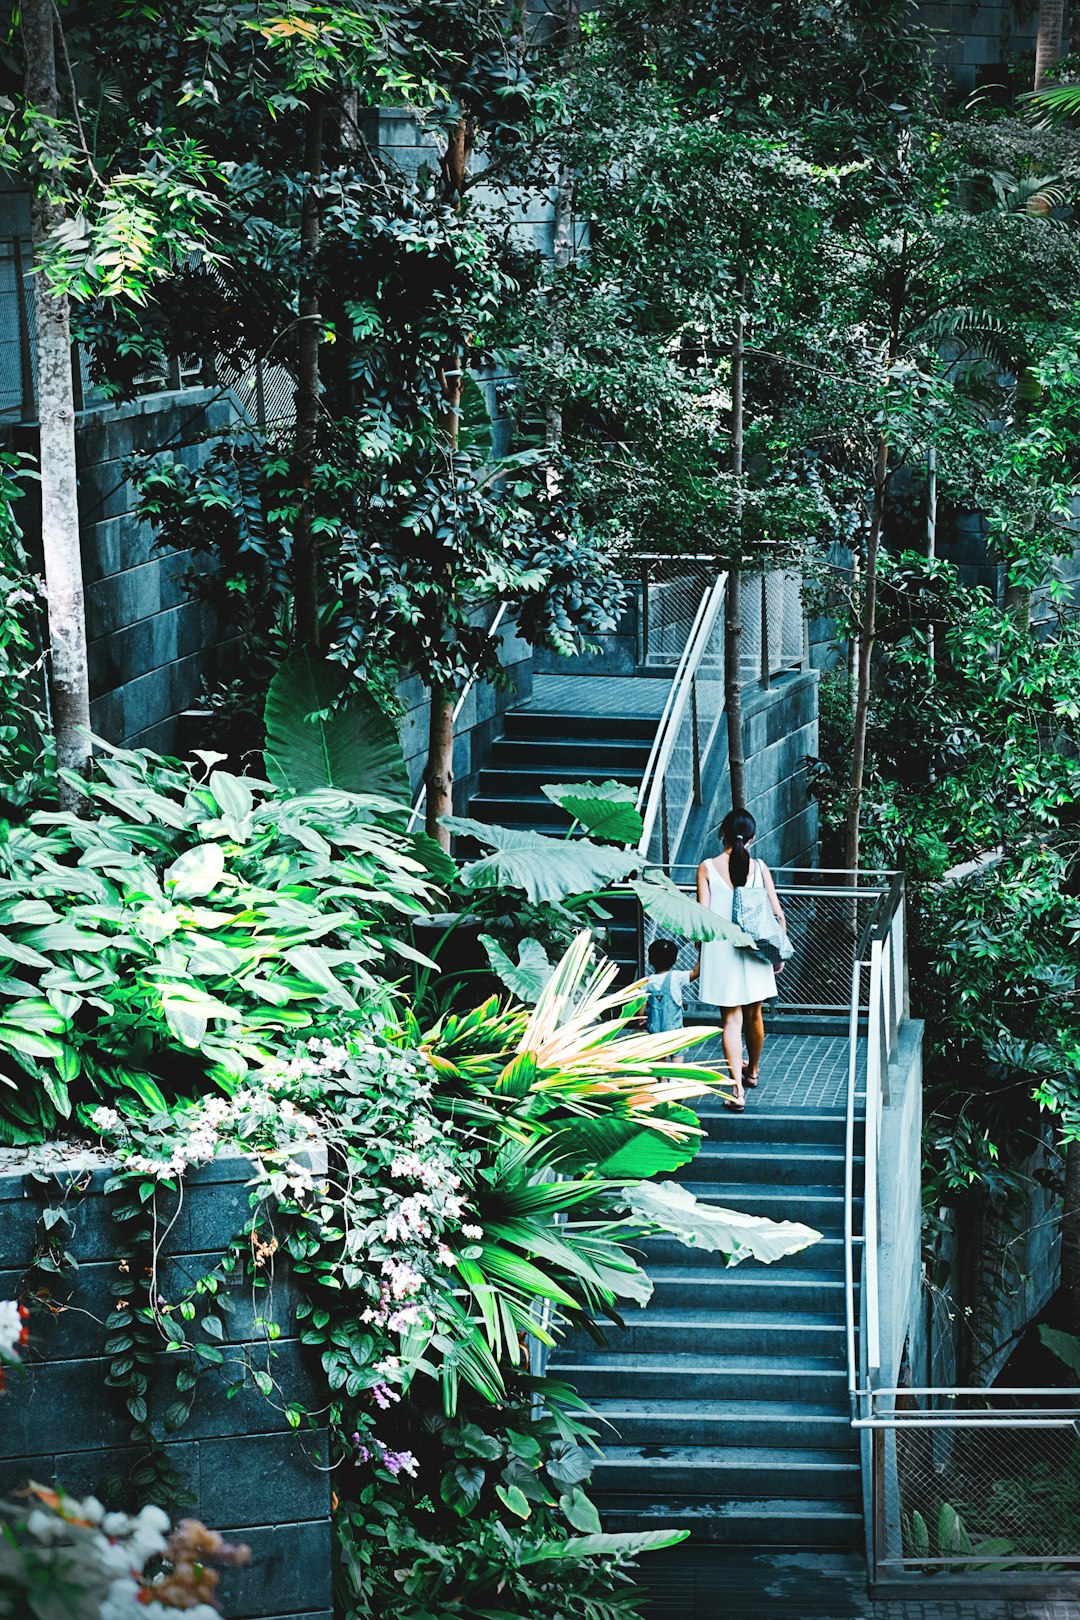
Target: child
665 988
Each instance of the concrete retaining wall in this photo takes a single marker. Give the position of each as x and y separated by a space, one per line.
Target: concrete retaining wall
250 1475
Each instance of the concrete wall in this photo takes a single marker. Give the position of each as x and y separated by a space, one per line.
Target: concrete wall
477 726
780 726
250 1475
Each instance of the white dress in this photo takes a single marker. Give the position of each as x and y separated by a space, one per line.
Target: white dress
731 976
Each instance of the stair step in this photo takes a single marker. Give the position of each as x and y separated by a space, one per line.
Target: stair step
746 1331
716 1375
826 1255
770 1166
518 810
737 1471
760 1424
772 1128
819 1207
503 781
759 1288
776 1522
572 759
529 723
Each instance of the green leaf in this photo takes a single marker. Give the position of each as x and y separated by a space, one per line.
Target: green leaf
629 1544
549 870
580 1512
315 738
678 914
474 418
196 872
1063 1345
527 976
606 809
624 1148
671 1208
514 1499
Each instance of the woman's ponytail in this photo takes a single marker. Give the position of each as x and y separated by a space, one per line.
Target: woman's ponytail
737 829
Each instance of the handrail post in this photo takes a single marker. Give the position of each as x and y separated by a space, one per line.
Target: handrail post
695 738
643 620
765 662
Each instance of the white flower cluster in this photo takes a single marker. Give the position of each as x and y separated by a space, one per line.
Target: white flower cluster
11 1329
116 1548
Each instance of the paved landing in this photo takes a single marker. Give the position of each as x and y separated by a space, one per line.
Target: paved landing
797 1071
707 1584
599 695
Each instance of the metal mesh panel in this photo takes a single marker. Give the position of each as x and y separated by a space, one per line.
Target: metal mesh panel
18 355
771 612
672 589
825 929
267 393
993 1494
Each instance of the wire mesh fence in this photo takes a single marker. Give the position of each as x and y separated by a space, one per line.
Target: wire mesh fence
771 614
826 919
974 1491
672 589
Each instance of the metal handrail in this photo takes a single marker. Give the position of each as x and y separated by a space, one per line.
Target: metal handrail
650 794
676 686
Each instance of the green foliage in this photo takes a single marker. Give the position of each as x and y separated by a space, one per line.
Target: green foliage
1066 1346
606 810
184 933
670 1208
317 737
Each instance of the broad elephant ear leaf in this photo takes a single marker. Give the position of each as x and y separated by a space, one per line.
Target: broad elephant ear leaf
605 809
670 1208
547 869
1066 1346
316 739
677 914
527 976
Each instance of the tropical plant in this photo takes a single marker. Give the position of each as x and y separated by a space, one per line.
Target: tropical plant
188 931
22 731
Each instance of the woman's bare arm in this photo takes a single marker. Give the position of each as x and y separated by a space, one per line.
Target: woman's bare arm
702 885
770 890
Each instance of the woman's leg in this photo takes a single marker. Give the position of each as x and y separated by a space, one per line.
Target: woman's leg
755 1040
732 1039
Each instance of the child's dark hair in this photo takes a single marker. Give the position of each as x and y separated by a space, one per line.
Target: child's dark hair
663 954
737 829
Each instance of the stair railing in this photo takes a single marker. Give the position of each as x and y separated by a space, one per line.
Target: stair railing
671 785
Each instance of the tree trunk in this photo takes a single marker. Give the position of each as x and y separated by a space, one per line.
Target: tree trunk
305 561
562 242
439 774
69 686
1048 43
732 602
1070 1242
867 632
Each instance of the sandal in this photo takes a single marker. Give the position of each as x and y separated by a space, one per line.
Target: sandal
736 1103
751 1080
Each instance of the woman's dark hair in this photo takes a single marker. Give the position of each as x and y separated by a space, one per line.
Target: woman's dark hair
737 829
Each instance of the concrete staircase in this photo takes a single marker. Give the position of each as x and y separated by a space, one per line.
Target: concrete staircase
727 1395
540 746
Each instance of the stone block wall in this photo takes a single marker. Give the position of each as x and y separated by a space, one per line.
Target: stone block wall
251 1476
150 643
975 38
779 732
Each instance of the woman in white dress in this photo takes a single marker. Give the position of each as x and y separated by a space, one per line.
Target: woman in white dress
731 977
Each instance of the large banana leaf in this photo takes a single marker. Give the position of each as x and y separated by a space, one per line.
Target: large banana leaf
549 870
604 808
670 1208
678 914
314 739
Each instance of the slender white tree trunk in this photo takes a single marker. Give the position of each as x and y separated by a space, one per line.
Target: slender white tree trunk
69 687
733 601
